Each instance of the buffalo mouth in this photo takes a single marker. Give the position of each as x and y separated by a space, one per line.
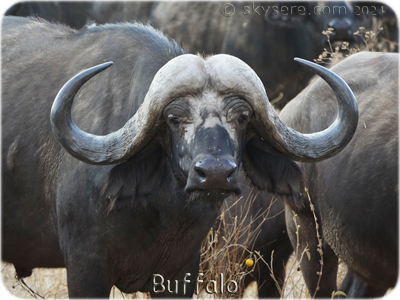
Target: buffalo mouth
214 191
209 197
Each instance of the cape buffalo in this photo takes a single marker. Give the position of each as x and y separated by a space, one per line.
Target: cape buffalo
354 194
133 189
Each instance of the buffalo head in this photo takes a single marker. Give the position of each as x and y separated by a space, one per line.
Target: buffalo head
343 16
208 111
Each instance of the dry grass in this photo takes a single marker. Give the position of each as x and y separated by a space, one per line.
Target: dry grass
371 41
228 247
48 283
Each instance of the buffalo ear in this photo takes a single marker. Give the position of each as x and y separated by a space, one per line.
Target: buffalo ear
277 174
135 178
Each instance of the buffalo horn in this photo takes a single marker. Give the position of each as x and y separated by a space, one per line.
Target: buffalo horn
170 82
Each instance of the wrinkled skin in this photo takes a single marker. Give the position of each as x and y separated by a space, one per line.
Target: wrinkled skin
116 224
355 193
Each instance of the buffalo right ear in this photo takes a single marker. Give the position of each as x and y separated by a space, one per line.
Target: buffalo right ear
275 173
287 13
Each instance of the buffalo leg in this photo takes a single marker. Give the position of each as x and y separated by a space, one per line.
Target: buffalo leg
311 267
22 272
267 287
356 287
193 269
87 278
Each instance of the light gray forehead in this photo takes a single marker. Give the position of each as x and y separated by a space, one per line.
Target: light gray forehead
192 74
229 73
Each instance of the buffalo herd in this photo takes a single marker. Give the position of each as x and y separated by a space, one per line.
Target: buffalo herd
266 35
120 148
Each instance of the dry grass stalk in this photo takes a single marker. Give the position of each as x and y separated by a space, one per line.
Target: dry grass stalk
319 247
229 246
333 55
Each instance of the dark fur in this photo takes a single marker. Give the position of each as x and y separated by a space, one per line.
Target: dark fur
75 14
275 173
136 178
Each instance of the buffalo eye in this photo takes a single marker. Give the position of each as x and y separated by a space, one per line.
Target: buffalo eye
243 118
173 120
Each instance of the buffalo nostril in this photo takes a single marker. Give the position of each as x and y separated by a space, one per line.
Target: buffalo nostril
215 169
213 174
200 173
231 173
231 169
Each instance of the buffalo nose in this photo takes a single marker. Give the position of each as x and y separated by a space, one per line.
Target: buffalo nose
213 174
342 29
214 170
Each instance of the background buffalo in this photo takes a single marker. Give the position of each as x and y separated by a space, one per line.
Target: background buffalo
354 195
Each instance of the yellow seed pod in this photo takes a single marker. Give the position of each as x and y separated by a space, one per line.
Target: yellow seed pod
249 262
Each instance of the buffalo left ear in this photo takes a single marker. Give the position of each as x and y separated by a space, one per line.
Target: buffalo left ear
275 173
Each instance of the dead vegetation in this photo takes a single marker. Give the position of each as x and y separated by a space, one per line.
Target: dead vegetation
371 41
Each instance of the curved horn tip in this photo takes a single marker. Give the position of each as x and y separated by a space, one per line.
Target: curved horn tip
302 61
321 71
91 71
105 65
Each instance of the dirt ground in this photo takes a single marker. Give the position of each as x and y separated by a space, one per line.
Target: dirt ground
52 283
